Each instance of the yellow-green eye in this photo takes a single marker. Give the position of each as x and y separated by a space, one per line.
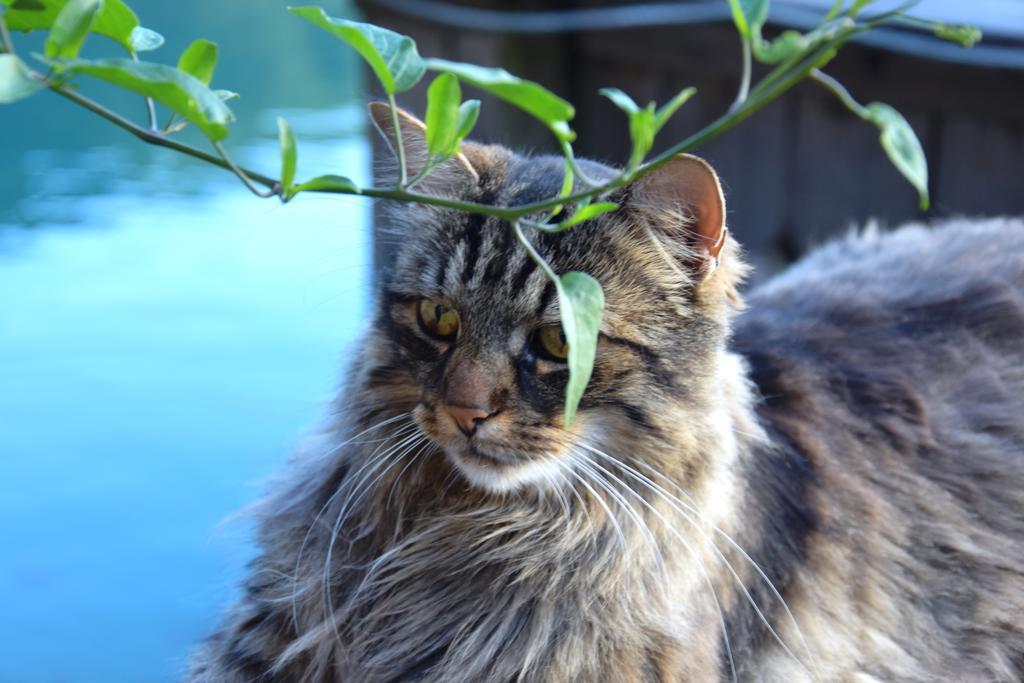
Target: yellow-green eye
551 342
438 320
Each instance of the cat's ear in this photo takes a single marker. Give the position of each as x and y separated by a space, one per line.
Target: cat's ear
414 144
682 205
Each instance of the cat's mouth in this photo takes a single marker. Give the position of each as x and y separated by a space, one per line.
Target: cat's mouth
487 461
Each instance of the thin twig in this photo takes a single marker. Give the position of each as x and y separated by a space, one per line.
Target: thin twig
150 105
151 137
5 37
839 91
744 89
399 145
517 228
243 177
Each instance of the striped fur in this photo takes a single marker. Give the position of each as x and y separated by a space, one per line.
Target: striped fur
828 486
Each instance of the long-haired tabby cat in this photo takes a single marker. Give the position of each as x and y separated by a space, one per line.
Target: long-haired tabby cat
825 486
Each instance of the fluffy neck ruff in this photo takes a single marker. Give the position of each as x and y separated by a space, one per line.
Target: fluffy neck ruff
618 571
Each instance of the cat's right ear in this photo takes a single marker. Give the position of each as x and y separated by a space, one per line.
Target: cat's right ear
682 208
414 144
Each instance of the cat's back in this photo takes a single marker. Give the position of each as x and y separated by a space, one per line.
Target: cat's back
890 369
919 304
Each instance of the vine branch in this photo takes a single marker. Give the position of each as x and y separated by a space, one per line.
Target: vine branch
749 100
5 37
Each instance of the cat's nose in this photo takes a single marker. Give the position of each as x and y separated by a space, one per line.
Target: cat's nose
467 419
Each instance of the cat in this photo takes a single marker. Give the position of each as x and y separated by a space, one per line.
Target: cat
821 482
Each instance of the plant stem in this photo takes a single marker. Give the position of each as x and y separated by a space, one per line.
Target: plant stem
243 177
150 105
839 91
5 37
399 146
517 228
744 90
576 170
149 136
775 83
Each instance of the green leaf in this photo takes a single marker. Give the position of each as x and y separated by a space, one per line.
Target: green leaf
443 99
671 107
15 81
834 11
902 146
226 95
964 35
286 141
199 59
469 111
581 304
327 183
115 20
144 39
568 180
531 97
749 16
786 45
70 28
586 213
641 123
392 56
620 100
178 91
857 6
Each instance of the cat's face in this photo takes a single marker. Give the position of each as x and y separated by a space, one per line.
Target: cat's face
470 335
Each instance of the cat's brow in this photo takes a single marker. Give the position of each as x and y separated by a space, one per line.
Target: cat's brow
644 351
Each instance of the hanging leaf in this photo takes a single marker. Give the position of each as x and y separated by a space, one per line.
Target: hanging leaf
392 56
180 92
144 40
902 146
327 183
469 111
749 16
964 35
70 28
586 213
115 20
286 141
199 59
581 305
641 123
671 107
443 99
786 45
531 97
16 83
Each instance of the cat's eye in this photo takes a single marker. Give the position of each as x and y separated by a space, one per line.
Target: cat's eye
549 342
436 319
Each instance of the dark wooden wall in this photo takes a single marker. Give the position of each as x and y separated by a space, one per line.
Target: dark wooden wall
800 170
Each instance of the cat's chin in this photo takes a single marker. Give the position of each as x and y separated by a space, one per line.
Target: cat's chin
497 474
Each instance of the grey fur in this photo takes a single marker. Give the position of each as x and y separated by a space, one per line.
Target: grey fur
859 434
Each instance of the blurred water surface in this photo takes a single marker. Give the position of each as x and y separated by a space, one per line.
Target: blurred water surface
165 338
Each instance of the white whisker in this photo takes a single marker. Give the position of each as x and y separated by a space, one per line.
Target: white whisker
330 499
678 506
693 554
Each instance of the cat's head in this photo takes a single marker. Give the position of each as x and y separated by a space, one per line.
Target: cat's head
468 335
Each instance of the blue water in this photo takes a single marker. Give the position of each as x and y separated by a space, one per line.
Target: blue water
165 337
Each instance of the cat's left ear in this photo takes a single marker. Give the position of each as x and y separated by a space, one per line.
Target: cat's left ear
414 144
682 204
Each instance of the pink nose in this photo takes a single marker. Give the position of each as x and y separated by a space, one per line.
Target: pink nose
467 418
